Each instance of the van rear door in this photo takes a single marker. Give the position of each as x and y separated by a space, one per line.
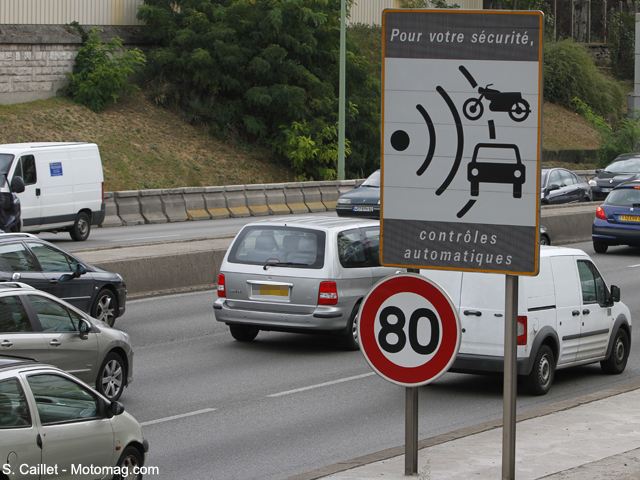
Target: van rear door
30 199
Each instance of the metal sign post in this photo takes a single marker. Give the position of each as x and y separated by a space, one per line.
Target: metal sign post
411 432
510 378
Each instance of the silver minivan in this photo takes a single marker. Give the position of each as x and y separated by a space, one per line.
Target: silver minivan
299 274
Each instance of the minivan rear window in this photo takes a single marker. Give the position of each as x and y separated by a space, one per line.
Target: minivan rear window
279 246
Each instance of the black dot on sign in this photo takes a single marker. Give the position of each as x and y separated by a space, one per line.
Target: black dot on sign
399 140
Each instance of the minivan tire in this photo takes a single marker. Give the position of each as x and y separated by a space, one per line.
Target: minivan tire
131 458
617 361
539 381
244 333
349 340
600 247
81 227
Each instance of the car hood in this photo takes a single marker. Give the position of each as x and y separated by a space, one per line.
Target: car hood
363 195
610 179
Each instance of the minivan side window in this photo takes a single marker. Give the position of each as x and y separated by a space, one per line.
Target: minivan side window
60 400
593 287
351 249
372 245
13 316
14 409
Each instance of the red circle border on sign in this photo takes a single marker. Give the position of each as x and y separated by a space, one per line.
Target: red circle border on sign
409 376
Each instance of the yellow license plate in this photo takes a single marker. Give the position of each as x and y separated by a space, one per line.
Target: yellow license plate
271 290
630 218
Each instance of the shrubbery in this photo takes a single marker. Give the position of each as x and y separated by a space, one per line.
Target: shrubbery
569 72
100 75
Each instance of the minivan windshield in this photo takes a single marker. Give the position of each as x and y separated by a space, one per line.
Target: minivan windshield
5 162
279 247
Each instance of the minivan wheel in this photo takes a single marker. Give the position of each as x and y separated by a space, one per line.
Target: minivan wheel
130 460
600 247
81 228
617 361
244 333
349 340
539 381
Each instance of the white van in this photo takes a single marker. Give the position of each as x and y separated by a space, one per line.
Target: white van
63 186
566 316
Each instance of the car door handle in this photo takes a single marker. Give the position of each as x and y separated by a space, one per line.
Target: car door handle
39 441
586 311
473 312
53 281
55 343
6 343
575 313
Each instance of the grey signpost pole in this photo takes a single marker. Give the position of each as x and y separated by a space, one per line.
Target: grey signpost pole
411 423
510 378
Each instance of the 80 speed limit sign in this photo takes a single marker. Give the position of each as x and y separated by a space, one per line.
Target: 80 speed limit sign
409 330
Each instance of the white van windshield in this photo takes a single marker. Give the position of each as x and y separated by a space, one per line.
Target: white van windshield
5 162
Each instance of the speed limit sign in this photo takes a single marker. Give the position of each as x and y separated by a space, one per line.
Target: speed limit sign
409 330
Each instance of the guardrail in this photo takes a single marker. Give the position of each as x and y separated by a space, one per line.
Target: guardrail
136 207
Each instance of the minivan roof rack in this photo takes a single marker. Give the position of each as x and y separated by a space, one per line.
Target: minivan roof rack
17 234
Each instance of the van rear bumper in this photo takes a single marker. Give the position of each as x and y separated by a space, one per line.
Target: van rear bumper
98 215
466 363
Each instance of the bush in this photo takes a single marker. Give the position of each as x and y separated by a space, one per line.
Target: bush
569 72
99 76
622 41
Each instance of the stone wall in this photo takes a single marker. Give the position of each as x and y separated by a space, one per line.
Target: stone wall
35 58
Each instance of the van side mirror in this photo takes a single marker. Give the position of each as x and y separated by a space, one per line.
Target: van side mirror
17 184
615 293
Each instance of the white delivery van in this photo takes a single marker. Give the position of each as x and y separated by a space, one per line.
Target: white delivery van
567 316
63 186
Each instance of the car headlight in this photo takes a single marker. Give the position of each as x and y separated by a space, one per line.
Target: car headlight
378 201
593 183
344 200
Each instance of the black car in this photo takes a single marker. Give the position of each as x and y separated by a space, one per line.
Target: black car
362 201
28 259
624 168
559 185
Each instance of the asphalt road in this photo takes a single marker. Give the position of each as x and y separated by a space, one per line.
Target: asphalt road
214 408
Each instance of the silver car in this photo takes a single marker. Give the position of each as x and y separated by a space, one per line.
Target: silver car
299 274
54 426
38 325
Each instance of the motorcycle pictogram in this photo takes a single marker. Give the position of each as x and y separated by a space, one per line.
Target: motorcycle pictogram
511 102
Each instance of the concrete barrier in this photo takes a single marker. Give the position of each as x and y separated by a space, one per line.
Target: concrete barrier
313 197
195 204
151 206
236 201
295 198
173 205
256 200
111 218
330 194
569 223
215 202
345 186
276 200
129 207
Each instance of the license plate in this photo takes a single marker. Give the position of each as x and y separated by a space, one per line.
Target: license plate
363 209
270 290
606 190
629 218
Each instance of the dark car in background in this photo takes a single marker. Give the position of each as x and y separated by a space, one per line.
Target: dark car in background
617 220
362 201
559 185
624 168
28 259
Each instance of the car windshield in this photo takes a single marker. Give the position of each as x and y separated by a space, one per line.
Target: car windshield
373 180
624 197
630 165
279 246
5 162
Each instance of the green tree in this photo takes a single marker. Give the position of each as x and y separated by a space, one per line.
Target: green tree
100 73
267 70
622 42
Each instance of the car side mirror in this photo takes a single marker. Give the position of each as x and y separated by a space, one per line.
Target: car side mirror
114 408
553 186
84 328
17 184
80 270
65 277
615 293
598 170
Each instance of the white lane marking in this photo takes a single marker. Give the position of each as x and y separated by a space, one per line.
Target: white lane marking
311 387
631 266
142 238
175 417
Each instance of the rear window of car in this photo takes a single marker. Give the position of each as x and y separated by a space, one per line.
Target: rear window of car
624 197
282 246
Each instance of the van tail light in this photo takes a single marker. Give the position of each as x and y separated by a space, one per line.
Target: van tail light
522 330
600 214
102 192
222 292
328 293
